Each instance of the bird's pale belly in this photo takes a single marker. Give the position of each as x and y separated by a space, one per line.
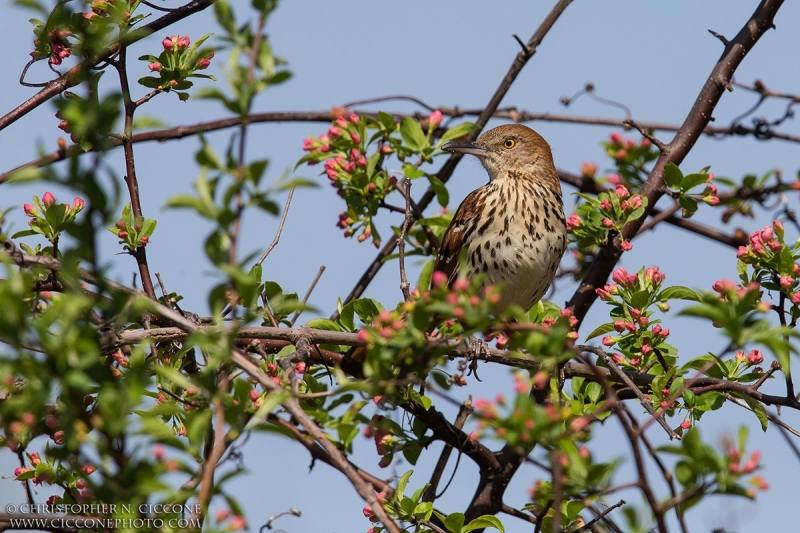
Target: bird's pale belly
524 265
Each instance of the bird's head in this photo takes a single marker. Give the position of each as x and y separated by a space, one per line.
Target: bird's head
511 150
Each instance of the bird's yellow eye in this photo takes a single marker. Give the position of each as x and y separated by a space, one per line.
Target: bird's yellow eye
509 143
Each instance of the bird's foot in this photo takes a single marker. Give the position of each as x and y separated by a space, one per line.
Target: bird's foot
477 347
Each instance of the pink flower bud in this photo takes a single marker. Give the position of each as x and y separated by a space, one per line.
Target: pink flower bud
615 137
203 64
354 118
786 282
183 42
88 469
755 357
635 202
608 223
621 154
767 234
573 221
435 119
123 235
155 67
623 278
605 205
608 341
167 43
439 278
78 204
355 137
29 210
621 191
614 179
460 284
646 349
341 121
626 246
686 424
588 170
333 131
48 199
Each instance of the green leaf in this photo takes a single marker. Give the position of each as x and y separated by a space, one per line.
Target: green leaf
323 323
672 176
758 410
689 204
439 188
678 293
423 510
387 120
401 485
693 180
150 82
412 134
601 330
454 522
457 132
483 522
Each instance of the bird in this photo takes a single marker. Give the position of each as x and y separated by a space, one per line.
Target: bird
512 229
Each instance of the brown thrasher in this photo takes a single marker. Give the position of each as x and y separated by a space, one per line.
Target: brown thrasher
512 229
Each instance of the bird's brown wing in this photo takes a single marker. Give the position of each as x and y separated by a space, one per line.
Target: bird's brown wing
457 234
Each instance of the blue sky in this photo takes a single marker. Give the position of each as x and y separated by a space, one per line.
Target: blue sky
653 57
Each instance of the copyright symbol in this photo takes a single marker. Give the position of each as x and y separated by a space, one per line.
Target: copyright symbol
11 509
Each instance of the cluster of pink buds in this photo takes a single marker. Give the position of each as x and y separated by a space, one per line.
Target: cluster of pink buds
486 410
459 297
342 128
47 201
620 148
752 358
59 46
573 221
750 466
763 244
176 42
387 323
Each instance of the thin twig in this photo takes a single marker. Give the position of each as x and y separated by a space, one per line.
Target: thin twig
599 517
277 238
401 242
268 525
308 294
653 139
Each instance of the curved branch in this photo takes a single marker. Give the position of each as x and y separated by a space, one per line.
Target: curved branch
691 129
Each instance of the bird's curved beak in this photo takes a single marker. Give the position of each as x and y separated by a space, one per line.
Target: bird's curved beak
465 147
